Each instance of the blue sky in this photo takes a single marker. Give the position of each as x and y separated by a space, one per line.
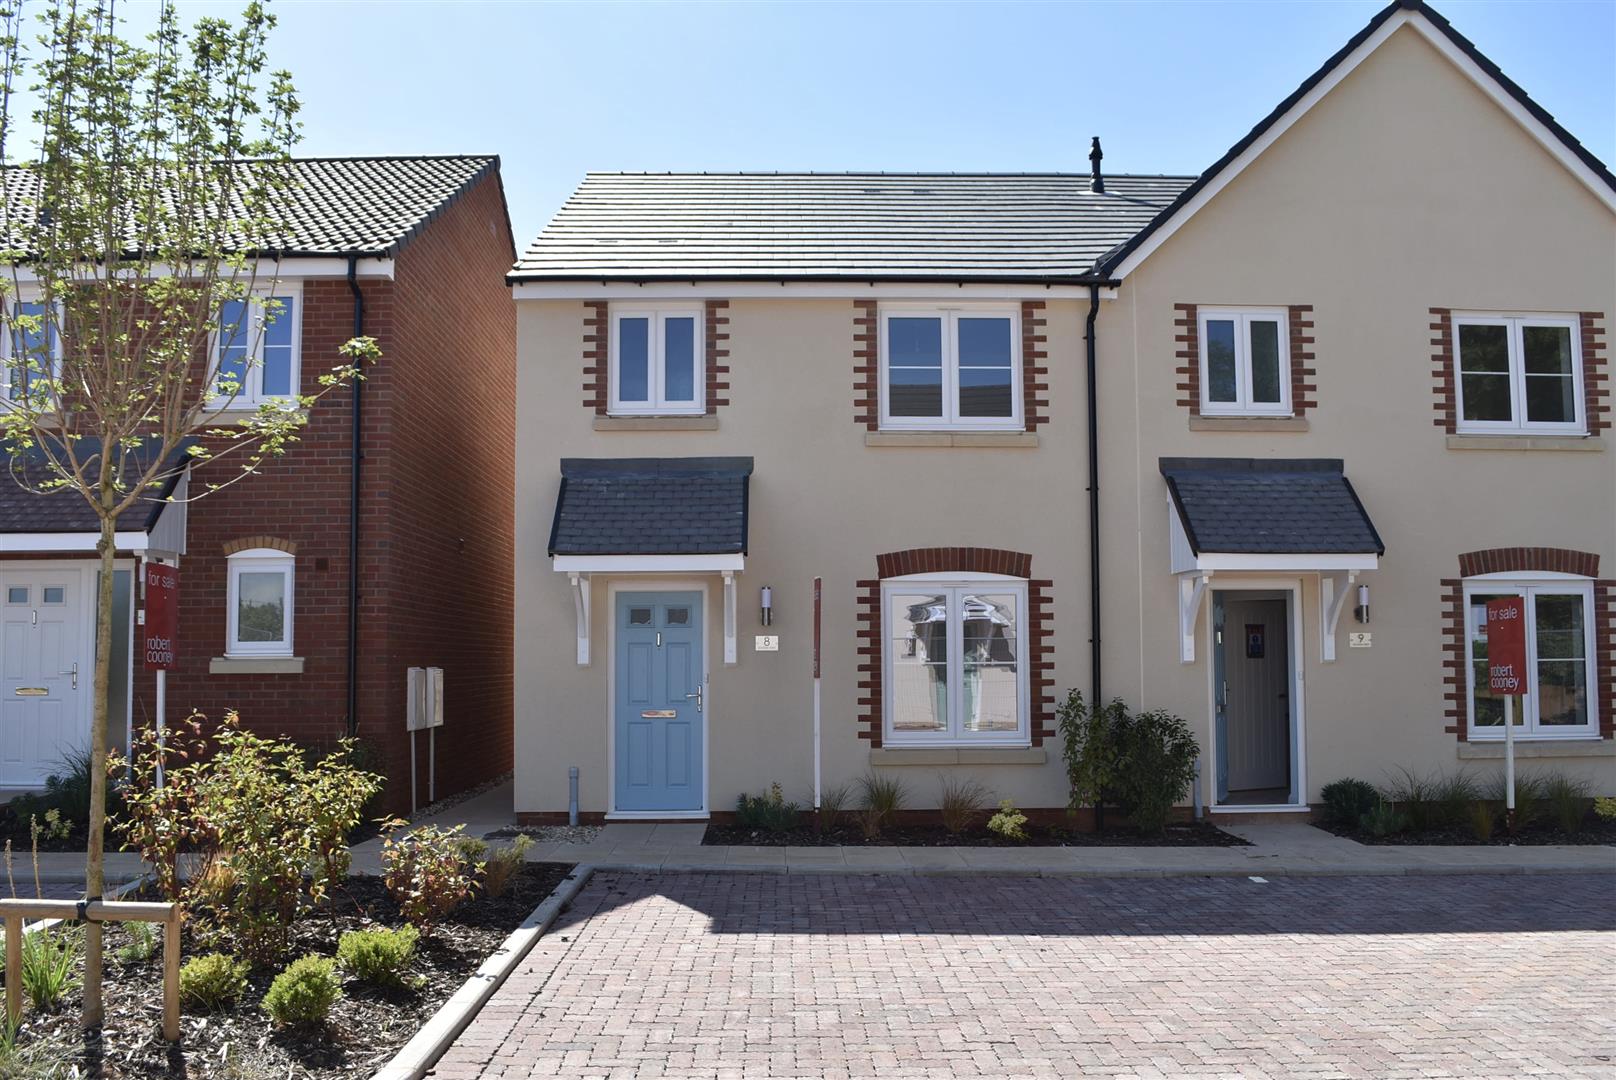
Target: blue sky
560 88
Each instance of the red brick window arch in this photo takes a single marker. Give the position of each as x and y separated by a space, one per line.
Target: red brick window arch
1038 648
1579 569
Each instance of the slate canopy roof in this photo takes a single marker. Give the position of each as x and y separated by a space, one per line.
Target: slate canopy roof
652 506
1269 506
23 510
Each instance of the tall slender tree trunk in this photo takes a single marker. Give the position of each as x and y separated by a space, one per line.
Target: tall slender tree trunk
94 875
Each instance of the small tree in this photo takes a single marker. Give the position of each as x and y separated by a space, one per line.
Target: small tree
140 221
1091 751
1156 755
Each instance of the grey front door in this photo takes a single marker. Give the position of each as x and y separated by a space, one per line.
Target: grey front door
1254 665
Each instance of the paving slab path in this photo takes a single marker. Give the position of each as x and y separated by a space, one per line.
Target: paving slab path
681 975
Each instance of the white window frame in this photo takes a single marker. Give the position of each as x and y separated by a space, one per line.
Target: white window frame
251 394
258 560
1530 586
951 420
30 294
656 343
955 735
1243 405
1515 322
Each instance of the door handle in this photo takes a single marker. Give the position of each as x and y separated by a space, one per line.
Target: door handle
74 671
696 697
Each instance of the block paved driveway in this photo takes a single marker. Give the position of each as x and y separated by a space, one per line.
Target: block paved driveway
742 975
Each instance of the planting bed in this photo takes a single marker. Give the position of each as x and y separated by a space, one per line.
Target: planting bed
367 1026
1595 830
851 835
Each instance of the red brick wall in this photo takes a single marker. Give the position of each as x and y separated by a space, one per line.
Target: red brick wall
1595 371
438 466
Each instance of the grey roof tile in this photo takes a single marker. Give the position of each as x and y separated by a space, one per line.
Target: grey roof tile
651 506
953 226
1269 506
23 510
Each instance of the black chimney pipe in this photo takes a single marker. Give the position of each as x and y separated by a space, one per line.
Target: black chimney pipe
1096 181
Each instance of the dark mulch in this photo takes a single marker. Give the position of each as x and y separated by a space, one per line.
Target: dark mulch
1187 834
1594 831
366 1028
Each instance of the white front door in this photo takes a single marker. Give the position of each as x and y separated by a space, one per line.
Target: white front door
45 672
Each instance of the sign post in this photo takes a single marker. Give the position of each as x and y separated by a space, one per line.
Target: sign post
1506 676
818 583
162 587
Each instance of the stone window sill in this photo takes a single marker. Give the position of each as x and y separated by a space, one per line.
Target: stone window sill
1538 748
656 423
1248 423
1584 443
952 438
256 665
949 755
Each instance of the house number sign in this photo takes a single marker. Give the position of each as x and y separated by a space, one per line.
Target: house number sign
768 643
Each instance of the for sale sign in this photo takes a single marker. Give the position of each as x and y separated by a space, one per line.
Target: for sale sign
162 616
1506 645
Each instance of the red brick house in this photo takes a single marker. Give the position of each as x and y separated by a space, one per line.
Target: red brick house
357 544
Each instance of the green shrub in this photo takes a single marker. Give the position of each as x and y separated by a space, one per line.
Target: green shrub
1605 807
960 802
305 992
1435 801
212 981
380 957
1566 799
880 799
1155 766
49 958
833 803
142 943
427 873
1009 822
1347 801
768 812
1529 792
1384 820
1483 819
503 864
1091 749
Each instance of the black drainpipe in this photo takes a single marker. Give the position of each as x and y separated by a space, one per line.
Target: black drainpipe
353 512
1094 498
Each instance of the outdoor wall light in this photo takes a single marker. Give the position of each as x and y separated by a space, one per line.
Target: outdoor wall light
766 605
1362 611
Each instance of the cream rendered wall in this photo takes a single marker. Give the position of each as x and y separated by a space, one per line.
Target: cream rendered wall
1403 189
822 502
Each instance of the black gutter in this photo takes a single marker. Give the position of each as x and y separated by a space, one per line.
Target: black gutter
1046 280
353 510
1094 497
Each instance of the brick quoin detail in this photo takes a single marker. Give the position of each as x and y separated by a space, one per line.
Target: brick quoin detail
717 355
248 543
1595 371
1517 560
866 368
1034 364
1040 648
1187 336
1303 389
595 337
1442 376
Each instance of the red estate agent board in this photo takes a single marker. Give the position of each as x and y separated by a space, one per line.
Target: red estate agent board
162 616
1506 645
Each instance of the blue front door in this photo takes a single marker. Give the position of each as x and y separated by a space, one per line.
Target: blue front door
658 726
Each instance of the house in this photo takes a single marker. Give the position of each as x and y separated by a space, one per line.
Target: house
307 591
1253 447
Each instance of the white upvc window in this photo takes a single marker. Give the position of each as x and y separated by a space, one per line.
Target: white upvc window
955 663
1560 699
33 353
950 367
259 595
257 347
658 360
1519 373
1245 361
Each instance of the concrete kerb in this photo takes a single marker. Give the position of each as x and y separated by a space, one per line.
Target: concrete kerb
437 1034
1068 871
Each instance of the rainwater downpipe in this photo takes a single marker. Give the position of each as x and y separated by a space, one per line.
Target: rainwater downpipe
353 511
1094 496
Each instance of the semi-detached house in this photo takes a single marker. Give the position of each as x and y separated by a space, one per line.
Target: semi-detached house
1253 447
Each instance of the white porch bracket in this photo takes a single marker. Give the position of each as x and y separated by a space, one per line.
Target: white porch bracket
1191 587
1334 591
729 617
580 608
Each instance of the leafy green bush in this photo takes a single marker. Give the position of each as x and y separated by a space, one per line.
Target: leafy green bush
1155 767
1347 801
768 812
1009 822
1605 807
880 799
1384 820
1567 798
142 943
380 957
49 958
1091 751
212 981
305 992
503 864
427 873
960 802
